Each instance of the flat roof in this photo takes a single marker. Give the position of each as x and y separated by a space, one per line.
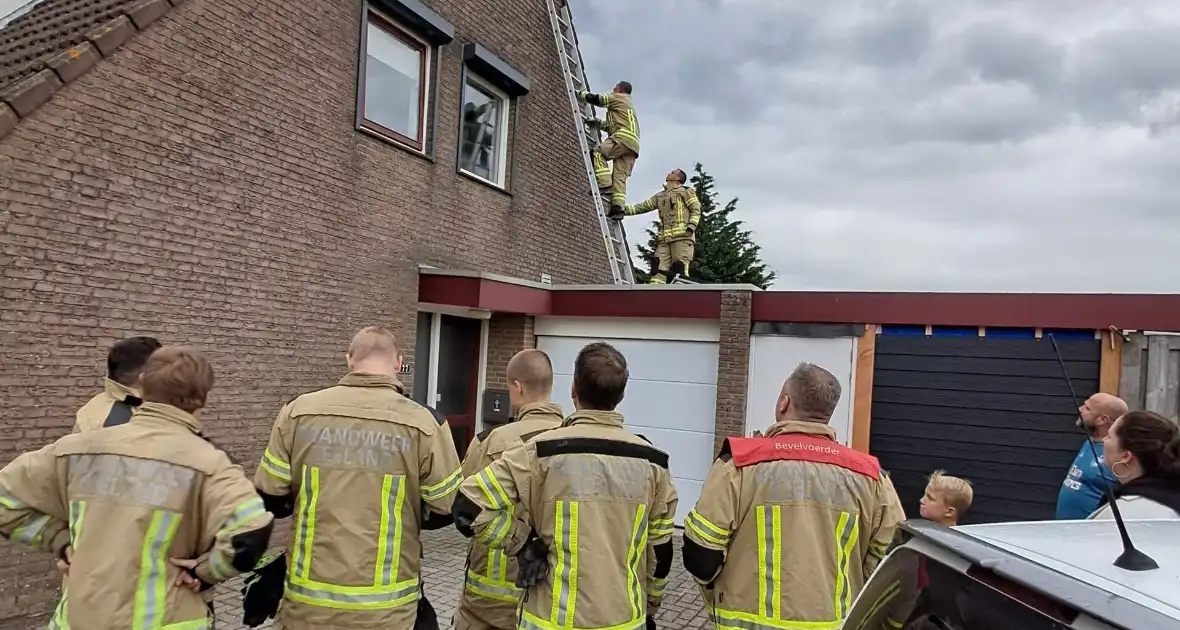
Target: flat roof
1085 311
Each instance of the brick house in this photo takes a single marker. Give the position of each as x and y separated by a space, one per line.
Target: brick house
259 178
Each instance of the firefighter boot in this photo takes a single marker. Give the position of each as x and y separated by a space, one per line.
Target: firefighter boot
616 213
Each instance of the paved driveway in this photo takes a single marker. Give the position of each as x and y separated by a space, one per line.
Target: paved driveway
443 575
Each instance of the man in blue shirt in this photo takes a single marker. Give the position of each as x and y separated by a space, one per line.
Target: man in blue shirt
1084 486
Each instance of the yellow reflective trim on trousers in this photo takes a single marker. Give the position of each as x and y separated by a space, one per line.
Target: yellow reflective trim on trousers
735 620
195 624
450 484
655 588
529 621
847 531
635 550
500 590
389 538
706 530
276 467
565 575
882 600
151 592
309 491
353 597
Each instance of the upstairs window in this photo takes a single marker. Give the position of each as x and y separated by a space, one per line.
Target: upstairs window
483 132
396 76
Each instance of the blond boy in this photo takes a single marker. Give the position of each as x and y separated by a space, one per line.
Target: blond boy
946 499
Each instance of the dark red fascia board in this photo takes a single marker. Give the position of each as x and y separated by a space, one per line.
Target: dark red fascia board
1096 311
1021 310
506 297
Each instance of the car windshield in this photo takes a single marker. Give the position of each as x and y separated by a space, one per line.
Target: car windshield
913 592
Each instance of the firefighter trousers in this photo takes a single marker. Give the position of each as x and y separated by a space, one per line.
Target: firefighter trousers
466 619
674 258
614 177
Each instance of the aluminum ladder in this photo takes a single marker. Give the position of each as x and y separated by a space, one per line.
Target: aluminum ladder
613 235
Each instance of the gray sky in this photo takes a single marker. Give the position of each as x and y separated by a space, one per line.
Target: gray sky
975 145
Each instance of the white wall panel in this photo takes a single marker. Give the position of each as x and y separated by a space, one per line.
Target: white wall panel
772 359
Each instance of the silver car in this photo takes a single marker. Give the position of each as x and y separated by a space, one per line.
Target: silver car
1053 575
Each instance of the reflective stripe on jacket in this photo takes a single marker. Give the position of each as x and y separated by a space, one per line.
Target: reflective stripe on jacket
589 486
361 462
802 521
678 208
490 586
126 499
110 407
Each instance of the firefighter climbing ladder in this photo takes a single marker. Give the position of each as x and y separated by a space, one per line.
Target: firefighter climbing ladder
613 235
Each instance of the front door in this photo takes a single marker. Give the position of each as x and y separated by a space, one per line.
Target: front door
458 376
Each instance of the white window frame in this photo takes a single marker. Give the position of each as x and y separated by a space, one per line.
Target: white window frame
501 173
396 30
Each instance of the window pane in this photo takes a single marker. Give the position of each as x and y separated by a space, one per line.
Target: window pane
479 146
393 82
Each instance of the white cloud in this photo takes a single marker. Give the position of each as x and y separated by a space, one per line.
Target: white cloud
912 144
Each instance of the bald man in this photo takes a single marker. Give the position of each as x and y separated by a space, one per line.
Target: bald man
490 595
1084 486
361 467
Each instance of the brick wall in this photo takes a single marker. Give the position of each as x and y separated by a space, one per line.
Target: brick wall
733 364
205 185
507 335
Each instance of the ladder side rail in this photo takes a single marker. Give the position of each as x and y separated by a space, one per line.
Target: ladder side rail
565 58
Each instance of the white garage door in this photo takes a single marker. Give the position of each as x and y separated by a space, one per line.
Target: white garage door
671 399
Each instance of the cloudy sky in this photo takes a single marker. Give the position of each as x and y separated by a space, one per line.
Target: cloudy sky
994 145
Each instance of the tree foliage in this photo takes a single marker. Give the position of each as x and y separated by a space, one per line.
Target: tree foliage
725 251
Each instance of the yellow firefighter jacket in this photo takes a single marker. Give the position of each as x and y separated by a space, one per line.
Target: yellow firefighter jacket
111 407
127 499
621 122
361 463
490 590
601 500
788 528
679 211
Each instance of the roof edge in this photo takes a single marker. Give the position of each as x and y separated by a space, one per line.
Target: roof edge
20 99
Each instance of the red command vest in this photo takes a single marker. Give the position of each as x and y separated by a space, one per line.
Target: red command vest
801 447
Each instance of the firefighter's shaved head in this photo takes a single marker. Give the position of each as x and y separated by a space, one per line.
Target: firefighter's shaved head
532 371
623 87
810 393
374 351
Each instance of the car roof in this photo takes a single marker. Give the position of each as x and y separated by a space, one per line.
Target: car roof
1086 550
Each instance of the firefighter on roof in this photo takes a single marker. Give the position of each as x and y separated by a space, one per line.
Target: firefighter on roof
590 495
363 469
490 595
134 511
621 146
680 213
789 526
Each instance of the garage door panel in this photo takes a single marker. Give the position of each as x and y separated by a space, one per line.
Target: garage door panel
688 491
679 361
679 406
690 454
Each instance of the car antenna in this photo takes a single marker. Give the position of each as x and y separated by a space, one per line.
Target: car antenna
1131 559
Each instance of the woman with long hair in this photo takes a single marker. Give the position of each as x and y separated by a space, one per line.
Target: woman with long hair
1143 452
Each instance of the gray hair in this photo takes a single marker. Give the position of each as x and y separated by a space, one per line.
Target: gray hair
814 391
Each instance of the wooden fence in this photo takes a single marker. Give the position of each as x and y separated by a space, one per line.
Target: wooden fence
1150 377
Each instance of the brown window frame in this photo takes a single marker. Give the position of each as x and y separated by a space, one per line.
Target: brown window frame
424 50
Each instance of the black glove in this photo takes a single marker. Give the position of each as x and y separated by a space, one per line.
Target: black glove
263 591
534 562
651 623
427 619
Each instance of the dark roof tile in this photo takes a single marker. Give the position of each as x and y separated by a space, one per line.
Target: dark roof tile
58 40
